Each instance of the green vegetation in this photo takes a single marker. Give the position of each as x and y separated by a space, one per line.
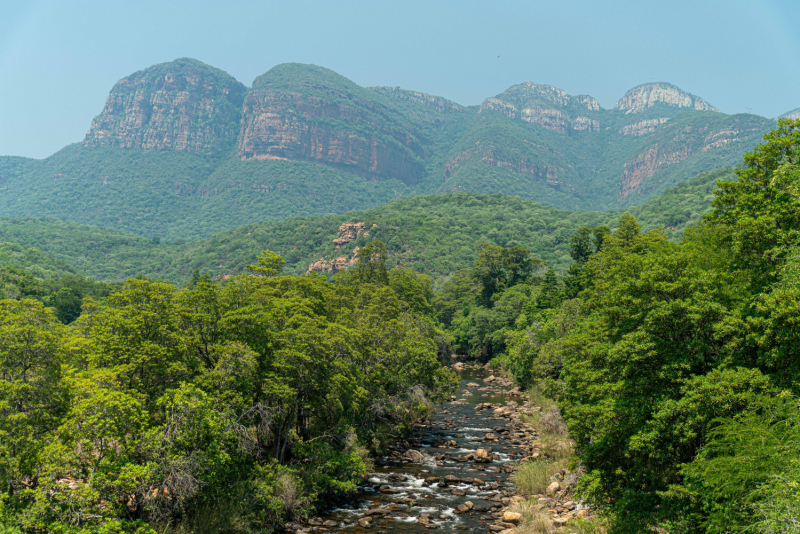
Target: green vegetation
29 273
227 407
435 235
185 194
674 363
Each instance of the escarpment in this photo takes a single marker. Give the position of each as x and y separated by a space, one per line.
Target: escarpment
189 151
181 105
322 117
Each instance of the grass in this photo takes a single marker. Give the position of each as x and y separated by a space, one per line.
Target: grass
533 477
587 525
534 521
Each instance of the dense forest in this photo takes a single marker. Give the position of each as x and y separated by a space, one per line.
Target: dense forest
674 364
435 235
245 402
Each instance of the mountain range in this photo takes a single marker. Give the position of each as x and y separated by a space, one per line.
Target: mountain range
182 150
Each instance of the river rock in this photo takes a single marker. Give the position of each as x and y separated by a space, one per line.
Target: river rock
458 492
377 511
414 456
512 517
482 456
462 509
553 488
330 523
365 522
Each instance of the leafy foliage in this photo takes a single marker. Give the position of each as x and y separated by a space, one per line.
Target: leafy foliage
675 364
259 395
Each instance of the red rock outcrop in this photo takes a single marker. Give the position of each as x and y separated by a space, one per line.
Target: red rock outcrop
329 121
181 105
646 164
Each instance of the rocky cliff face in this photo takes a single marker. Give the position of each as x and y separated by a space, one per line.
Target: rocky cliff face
547 106
645 165
794 114
305 113
647 95
643 127
181 105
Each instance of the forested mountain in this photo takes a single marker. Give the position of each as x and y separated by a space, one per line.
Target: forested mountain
181 150
435 234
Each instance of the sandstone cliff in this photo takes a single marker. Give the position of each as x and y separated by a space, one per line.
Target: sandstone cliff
547 106
180 105
307 113
647 95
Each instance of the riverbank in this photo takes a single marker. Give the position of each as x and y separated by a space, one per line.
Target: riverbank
458 471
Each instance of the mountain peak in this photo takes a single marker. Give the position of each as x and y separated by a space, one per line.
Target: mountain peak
181 105
647 95
303 74
526 94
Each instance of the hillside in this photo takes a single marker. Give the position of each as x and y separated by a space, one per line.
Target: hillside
435 234
181 150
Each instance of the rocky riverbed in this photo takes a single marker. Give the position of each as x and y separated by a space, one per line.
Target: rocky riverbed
455 472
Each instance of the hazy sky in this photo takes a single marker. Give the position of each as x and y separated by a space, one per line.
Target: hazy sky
59 59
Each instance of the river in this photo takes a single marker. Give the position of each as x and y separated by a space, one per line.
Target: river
404 496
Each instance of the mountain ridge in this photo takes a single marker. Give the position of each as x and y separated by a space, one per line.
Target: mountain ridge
183 150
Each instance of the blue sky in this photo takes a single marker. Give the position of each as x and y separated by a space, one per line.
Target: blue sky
59 59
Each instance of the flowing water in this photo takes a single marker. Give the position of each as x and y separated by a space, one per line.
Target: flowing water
397 496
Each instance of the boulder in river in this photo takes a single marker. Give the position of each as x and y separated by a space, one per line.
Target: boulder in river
482 456
414 456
